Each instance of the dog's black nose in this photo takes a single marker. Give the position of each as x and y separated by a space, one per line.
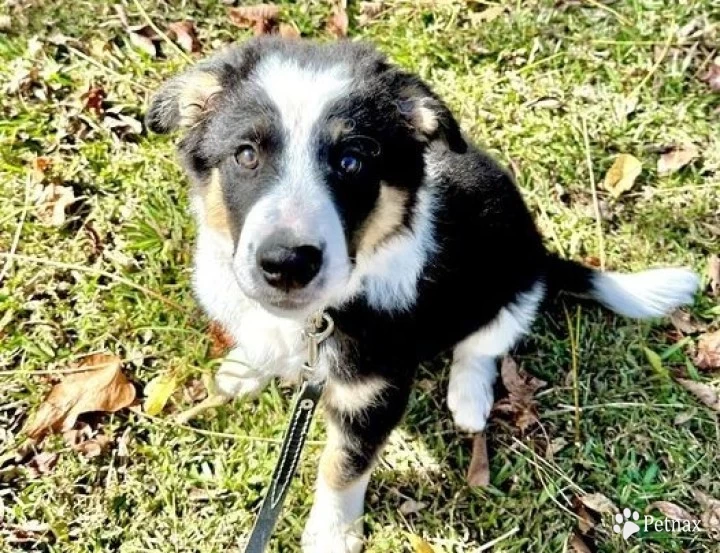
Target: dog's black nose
288 267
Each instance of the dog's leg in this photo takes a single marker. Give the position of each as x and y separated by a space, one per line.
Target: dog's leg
470 392
355 438
473 370
236 377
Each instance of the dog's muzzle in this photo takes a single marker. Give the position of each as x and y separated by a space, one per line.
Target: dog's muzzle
286 263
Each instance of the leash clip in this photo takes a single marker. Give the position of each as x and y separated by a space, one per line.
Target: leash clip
319 327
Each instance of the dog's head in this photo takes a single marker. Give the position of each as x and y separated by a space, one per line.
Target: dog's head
305 158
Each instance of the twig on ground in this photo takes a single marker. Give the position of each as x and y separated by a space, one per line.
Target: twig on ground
636 91
608 9
18 231
494 542
596 203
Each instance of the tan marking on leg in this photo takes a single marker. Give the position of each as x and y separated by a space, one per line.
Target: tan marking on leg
334 461
195 92
354 397
385 218
216 215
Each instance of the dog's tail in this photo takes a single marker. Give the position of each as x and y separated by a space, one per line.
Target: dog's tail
646 294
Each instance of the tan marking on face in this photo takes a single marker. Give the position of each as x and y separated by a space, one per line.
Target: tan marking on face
384 220
195 92
425 120
216 214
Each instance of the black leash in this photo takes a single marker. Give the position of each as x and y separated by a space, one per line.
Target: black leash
319 328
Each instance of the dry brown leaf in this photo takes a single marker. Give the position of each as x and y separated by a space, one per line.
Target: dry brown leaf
195 391
42 463
685 323
369 11
670 510
708 351
712 76
94 98
676 158
144 38
121 124
714 274
185 34
288 31
102 387
578 545
419 545
703 392
220 340
94 447
410 507
262 18
53 202
710 517
521 387
40 166
479 469
622 174
682 418
599 503
338 23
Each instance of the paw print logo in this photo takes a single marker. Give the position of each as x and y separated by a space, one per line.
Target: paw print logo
625 524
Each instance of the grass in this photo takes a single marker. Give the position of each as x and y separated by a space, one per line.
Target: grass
116 276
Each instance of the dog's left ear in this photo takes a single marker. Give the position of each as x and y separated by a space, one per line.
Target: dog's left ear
183 100
428 114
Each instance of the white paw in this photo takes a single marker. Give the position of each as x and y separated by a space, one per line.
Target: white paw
324 536
470 399
236 378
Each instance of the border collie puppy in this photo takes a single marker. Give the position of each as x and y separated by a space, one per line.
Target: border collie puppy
325 177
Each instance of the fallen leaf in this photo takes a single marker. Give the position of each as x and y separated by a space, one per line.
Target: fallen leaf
599 503
556 445
622 174
682 418
123 125
708 351
676 158
369 11
94 447
586 519
262 18
479 470
157 393
288 31
655 362
703 392
487 15
5 23
53 202
185 34
40 166
578 545
521 388
220 340
714 274
144 38
338 23
419 545
670 510
712 76
685 323
94 98
710 517
195 391
100 387
546 102
42 463
410 507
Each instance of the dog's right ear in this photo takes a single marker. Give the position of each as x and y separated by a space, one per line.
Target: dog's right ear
183 101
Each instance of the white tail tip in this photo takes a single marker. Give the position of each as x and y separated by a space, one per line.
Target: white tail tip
651 293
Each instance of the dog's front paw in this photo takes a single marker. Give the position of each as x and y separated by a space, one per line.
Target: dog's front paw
237 378
326 536
470 399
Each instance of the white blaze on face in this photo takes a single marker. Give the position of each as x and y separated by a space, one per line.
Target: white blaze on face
299 201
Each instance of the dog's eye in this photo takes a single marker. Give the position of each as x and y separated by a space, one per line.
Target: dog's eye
350 164
247 156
